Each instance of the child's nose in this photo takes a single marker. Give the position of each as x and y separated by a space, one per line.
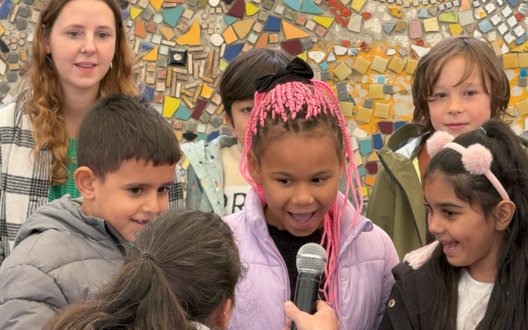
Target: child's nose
303 196
456 104
435 226
152 204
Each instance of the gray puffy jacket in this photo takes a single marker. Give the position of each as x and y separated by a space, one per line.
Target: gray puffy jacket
60 256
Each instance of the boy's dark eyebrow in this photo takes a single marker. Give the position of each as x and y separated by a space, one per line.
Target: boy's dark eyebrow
140 184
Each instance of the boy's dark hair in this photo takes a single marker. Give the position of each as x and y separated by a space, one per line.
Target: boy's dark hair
182 266
119 128
477 54
508 303
237 83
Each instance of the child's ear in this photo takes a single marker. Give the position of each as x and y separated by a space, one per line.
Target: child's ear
503 213
222 315
254 167
229 123
84 179
45 42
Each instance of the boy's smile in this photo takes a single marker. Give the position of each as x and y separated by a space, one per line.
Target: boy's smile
300 177
131 196
459 106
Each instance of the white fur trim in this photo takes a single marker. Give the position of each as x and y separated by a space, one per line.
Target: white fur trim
417 258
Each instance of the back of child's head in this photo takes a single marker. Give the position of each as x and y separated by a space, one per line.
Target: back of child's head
477 54
508 304
181 268
291 102
237 83
120 128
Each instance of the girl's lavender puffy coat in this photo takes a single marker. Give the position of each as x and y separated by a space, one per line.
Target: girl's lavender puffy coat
365 260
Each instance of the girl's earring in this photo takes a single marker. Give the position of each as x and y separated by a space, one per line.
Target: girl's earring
48 61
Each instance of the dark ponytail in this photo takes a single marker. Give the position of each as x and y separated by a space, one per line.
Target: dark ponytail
508 303
180 269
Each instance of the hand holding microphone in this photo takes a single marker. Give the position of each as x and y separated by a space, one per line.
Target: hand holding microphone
324 319
311 262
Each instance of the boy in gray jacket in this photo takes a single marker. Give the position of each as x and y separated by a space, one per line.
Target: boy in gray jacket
126 155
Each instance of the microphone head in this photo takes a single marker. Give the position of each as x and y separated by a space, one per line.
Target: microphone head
311 258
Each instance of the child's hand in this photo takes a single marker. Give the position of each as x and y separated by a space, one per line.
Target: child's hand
323 319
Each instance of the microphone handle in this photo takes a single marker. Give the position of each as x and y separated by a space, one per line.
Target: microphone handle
306 293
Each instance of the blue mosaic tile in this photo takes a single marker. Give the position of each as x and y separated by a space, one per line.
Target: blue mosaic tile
523 73
365 146
148 92
213 136
378 141
125 14
513 3
230 19
399 124
381 79
182 113
145 46
273 24
520 41
309 7
324 66
232 51
361 171
422 13
171 16
294 4
5 9
202 137
485 26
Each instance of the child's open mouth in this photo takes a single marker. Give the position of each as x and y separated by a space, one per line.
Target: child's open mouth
449 247
302 217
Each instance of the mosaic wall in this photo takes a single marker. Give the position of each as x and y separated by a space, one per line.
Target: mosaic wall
366 50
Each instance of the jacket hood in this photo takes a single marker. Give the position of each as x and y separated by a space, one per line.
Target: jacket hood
65 214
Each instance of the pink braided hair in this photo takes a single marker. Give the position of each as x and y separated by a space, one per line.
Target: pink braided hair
295 97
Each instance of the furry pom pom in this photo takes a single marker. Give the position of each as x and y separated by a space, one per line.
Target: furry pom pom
437 142
477 159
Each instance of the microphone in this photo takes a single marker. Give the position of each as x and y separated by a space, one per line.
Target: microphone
311 262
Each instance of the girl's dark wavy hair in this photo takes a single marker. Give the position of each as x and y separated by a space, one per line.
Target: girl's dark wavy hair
180 269
508 303
478 55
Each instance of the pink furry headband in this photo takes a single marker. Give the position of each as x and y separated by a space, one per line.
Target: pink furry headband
476 158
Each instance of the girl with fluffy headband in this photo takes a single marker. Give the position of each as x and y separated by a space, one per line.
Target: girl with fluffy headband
474 275
296 151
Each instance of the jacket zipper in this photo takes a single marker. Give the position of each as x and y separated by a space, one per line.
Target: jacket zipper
406 197
277 254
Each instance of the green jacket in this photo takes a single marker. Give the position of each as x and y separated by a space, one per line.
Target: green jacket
205 175
396 201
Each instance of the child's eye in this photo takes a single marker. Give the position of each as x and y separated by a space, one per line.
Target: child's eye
247 110
449 214
440 95
428 208
135 190
163 190
319 180
283 181
471 93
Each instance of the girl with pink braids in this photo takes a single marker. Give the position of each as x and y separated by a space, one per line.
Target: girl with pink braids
296 151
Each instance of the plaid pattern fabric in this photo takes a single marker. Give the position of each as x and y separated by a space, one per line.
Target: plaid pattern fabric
24 182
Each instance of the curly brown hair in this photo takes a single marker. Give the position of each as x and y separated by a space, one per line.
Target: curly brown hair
43 97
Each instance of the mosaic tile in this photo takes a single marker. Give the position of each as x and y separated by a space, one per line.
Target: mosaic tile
171 16
251 9
229 35
309 7
273 24
431 24
294 4
379 64
140 30
342 71
396 12
293 47
355 24
324 21
388 27
415 29
375 91
363 115
400 26
382 110
262 41
386 127
192 37
242 28
292 32
238 9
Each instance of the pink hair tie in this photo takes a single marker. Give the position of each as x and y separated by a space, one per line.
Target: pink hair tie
476 158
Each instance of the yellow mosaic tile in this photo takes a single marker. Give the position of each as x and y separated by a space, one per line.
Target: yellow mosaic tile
361 65
379 64
170 105
510 111
382 110
431 25
523 60
347 108
206 91
358 160
510 61
522 107
397 64
373 157
411 66
363 116
242 28
342 71
455 29
167 33
376 91
192 36
229 35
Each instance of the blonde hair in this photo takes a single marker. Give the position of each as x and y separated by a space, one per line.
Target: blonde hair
43 96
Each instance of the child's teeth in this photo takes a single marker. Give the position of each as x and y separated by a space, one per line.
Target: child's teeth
302 217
